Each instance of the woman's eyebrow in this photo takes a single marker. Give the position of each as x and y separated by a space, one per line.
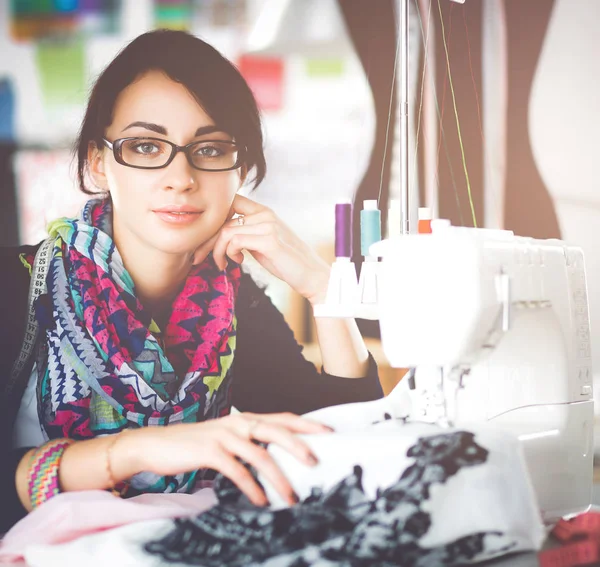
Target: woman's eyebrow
148 126
209 130
203 130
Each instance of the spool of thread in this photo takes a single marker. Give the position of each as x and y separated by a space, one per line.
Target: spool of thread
424 226
343 230
370 226
394 220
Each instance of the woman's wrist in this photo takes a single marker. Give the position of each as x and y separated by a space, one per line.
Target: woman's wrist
125 455
98 463
320 283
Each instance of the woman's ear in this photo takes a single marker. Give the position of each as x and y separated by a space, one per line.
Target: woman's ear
96 166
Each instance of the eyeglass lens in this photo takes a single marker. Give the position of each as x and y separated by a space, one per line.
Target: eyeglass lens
142 152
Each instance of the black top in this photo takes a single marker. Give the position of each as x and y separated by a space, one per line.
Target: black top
270 372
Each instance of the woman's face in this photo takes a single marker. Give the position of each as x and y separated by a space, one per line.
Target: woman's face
177 208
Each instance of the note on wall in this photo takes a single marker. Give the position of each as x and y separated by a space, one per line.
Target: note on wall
31 20
173 14
319 67
7 110
265 76
228 13
62 74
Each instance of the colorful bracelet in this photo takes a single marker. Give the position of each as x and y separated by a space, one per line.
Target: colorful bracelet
42 479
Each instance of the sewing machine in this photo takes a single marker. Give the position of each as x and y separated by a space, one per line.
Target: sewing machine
494 328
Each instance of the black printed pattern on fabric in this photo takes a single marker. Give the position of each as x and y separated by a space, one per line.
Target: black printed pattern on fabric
340 527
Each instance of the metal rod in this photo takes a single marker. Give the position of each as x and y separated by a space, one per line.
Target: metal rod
404 204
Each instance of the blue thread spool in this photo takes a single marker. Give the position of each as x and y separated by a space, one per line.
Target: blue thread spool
370 226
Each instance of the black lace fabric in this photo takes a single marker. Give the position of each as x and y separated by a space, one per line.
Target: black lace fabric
340 526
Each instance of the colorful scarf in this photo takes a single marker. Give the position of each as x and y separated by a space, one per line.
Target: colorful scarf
102 370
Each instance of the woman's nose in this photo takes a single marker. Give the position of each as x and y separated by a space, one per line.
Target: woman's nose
179 174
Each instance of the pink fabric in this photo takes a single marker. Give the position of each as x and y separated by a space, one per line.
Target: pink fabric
73 514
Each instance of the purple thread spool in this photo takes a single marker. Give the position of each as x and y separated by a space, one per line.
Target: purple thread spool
343 230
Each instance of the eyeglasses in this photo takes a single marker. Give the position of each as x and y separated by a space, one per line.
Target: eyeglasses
155 153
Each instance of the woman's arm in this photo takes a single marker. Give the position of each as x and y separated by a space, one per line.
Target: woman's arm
270 371
290 259
85 465
342 347
101 463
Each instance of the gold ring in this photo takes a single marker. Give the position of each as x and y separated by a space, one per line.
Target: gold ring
241 220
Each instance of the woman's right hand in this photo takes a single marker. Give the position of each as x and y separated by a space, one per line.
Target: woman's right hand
217 444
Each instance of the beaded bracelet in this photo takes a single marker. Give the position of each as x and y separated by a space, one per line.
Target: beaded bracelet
42 478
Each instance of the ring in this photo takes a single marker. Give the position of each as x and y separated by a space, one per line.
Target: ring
252 427
241 220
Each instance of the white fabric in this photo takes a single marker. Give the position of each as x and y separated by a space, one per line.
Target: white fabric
27 430
120 546
496 496
479 489
72 515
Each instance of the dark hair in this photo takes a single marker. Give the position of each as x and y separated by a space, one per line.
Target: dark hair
213 80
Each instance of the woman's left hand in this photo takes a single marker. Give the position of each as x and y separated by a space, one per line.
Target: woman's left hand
274 246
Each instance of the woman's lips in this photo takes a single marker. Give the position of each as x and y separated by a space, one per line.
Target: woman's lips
178 215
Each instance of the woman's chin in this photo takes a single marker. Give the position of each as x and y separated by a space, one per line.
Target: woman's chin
182 249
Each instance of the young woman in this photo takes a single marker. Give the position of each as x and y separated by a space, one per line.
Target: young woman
144 317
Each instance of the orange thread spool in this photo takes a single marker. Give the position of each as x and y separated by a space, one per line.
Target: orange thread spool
424 225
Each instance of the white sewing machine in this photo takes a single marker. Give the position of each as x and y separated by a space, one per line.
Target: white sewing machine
494 328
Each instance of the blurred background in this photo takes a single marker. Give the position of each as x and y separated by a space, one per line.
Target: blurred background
502 111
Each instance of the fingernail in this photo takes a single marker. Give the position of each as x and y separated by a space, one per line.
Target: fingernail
295 498
330 429
312 460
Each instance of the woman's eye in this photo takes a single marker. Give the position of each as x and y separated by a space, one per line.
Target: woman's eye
209 151
146 148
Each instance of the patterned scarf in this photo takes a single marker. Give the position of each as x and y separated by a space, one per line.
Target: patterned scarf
102 370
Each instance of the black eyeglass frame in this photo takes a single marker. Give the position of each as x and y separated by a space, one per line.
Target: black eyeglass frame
116 145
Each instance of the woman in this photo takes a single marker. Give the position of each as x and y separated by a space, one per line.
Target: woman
146 319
